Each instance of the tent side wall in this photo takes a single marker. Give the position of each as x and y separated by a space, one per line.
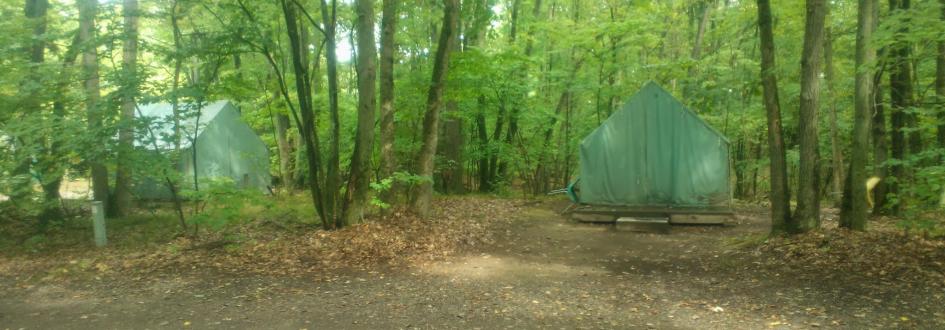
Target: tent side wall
248 154
226 147
654 152
230 148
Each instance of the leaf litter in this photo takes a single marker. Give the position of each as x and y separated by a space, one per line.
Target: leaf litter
396 238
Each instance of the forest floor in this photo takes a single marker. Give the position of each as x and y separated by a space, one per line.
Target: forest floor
536 269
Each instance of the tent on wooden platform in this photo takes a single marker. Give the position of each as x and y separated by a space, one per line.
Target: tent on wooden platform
654 153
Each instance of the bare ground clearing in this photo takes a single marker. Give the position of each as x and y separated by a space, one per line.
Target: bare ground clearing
541 271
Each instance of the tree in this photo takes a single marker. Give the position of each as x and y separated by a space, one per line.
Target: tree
900 99
854 210
700 33
364 138
281 126
940 84
388 160
878 134
30 88
448 31
122 197
88 9
305 117
808 187
333 172
781 220
48 164
835 148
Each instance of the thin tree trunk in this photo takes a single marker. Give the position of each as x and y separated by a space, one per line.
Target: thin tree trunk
306 123
900 98
88 9
808 190
835 148
448 32
451 130
51 166
700 34
940 84
285 150
914 133
485 182
50 163
333 173
451 175
175 84
512 131
35 12
367 102
854 210
388 160
122 202
494 150
781 220
880 144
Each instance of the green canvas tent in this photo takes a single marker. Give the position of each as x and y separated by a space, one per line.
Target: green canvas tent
226 146
654 152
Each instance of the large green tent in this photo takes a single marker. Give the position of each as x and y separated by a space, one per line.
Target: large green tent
226 147
654 152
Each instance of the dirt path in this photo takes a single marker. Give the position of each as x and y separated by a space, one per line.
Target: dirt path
543 272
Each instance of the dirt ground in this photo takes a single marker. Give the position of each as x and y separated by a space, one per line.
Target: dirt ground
543 271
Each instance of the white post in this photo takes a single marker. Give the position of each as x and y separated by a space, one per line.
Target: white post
98 223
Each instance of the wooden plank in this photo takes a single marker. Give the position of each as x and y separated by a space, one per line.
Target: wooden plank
650 211
643 225
699 219
594 218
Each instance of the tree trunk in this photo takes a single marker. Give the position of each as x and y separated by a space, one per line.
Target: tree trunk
914 135
388 160
781 220
21 181
495 149
880 144
306 123
808 191
940 84
364 137
835 148
451 174
854 210
485 182
52 159
88 9
122 199
178 66
512 131
700 35
901 99
431 123
451 129
285 150
36 12
333 175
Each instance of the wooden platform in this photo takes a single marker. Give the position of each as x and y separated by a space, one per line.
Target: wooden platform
676 216
643 225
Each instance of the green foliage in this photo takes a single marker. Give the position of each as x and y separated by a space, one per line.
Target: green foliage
400 179
220 203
